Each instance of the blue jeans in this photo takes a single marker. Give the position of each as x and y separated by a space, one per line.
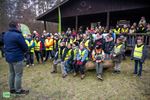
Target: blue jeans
99 68
15 76
68 68
138 62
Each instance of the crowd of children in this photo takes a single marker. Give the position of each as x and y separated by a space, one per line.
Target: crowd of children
74 52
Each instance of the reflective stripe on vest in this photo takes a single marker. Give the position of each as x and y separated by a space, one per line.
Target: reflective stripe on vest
138 51
117 49
37 46
82 53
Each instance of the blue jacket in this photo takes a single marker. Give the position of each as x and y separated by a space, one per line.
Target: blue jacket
84 57
14 46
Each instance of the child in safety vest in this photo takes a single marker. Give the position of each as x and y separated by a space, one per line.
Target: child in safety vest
67 59
82 58
98 57
58 57
30 54
117 55
37 49
75 51
139 54
49 47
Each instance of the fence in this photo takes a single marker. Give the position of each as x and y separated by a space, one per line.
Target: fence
131 39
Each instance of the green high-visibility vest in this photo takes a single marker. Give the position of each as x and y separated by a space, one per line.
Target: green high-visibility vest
138 51
82 53
117 49
29 44
68 55
37 46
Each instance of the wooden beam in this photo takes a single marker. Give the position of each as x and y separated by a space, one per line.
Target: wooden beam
76 23
108 19
45 26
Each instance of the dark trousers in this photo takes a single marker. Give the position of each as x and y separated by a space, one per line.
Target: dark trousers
44 53
49 53
138 67
2 51
30 58
39 55
80 68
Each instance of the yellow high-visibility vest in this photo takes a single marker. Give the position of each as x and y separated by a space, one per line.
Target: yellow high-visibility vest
138 51
117 31
68 55
86 44
49 42
82 53
124 30
75 51
29 44
37 46
117 49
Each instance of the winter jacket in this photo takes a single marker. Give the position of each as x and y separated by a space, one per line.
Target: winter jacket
14 46
144 54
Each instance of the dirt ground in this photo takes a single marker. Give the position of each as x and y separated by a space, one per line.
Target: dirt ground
45 86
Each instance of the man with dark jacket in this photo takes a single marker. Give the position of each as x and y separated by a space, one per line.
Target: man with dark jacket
15 47
108 46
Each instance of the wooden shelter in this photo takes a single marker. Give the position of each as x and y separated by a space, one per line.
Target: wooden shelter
75 13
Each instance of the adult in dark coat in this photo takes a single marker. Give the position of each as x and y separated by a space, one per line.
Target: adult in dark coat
15 47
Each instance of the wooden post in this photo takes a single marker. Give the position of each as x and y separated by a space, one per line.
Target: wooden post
45 25
108 19
76 23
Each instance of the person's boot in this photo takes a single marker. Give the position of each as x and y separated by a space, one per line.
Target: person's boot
32 64
114 71
64 75
12 91
53 72
23 92
118 72
100 77
74 74
82 76
54 69
27 66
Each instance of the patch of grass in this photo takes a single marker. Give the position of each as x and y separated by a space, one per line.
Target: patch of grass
45 86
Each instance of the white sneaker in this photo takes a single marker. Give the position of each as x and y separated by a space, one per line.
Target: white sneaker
27 65
32 64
